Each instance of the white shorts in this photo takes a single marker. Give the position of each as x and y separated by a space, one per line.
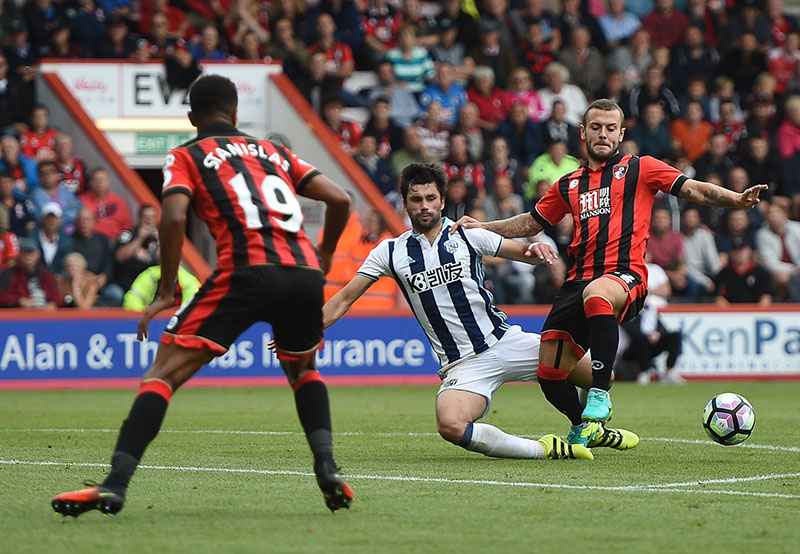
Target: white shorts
515 357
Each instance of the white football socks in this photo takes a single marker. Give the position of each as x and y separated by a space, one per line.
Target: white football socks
491 441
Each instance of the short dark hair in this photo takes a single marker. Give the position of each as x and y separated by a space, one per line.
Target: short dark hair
213 94
46 163
421 174
144 207
605 105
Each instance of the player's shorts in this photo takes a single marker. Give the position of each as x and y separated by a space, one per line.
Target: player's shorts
515 357
567 320
288 298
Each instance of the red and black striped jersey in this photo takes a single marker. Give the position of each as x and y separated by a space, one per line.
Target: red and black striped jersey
611 208
246 190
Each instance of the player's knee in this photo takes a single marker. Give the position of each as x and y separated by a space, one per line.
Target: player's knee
451 429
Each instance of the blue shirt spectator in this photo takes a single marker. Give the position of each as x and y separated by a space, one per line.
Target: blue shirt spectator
22 168
446 92
618 24
522 134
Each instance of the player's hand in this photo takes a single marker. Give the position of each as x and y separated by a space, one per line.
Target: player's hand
159 304
749 197
542 251
272 346
467 223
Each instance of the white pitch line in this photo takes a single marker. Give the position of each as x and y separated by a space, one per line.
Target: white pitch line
385 434
402 478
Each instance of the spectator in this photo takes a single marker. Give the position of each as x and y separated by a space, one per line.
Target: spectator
666 249
209 47
96 251
535 53
498 164
448 49
460 163
724 91
697 91
778 244
618 24
51 240
717 160
573 15
411 152
434 136
246 18
9 249
492 101
558 129
749 20
347 19
346 132
780 23
652 133
18 214
21 56
653 90
693 58
13 99
468 32
383 294
761 122
523 136
458 199
377 168
88 25
468 126
412 64
403 106
633 59
60 45
137 249
389 136
380 24
692 132
340 62
110 210
50 191
744 63
491 52
788 142
171 19
737 228
520 90
614 89
71 169
292 51
535 12
31 285
503 202
316 85
39 142
556 76
782 61
666 24
550 167
733 129
496 11
648 335
144 288
23 169
743 279
78 288
702 258
42 17
763 166
116 43
585 63
449 94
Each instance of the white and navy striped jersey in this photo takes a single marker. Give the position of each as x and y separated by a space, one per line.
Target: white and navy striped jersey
443 285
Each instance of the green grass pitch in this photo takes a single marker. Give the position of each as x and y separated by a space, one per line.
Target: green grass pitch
231 472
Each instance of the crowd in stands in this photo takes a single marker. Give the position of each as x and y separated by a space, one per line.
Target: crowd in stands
492 89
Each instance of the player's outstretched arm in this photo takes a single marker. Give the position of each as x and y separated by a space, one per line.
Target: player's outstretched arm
338 305
518 226
532 253
713 195
170 237
337 212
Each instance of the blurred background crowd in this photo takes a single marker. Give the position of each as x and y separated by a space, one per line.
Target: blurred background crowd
492 89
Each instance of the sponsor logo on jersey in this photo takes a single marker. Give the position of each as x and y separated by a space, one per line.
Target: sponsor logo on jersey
435 277
450 382
594 203
573 183
451 246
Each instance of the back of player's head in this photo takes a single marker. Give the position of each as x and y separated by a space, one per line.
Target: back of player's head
212 94
422 174
605 105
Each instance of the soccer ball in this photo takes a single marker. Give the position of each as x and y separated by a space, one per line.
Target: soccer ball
728 418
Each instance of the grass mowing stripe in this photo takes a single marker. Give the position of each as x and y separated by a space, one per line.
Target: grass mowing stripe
408 479
380 434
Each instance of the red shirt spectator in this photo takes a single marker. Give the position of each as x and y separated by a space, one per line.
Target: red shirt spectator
460 163
381 22
782 61
110 210
666 24
178 25
22 291
71 169
39 142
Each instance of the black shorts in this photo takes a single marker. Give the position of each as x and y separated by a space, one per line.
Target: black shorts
289 298
567 319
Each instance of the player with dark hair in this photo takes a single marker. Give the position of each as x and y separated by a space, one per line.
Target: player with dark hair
441 277
610 199
267 270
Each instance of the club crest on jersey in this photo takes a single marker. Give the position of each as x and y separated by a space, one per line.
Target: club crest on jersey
594 203
620 171
573 183
451 246
435 277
